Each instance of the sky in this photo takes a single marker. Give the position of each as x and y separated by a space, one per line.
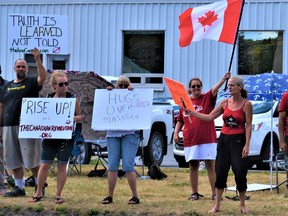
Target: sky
256 35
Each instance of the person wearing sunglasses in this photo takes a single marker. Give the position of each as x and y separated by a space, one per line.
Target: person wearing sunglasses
234 140
60 148
20 153
199 136
122 144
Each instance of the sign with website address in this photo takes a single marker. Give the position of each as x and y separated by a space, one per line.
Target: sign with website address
48 33
47 118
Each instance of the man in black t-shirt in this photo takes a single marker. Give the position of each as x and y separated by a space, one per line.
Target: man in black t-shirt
2 162
20 153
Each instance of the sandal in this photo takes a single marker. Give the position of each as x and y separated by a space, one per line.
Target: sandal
43 190
134 200
35 199
107 200
59 200
194 196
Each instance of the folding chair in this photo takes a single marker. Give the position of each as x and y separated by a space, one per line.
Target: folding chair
75 159
102 154
281 161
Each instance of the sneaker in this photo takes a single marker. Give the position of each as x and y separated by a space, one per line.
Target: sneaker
202 165
30 181
15 192
10 181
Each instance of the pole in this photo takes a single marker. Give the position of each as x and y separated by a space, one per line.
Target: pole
271 148
234 45
271 163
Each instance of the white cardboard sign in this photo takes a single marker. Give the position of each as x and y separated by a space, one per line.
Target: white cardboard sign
47 118
122 109
48 33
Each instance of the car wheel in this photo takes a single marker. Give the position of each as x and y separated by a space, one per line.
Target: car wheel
154 152
265 154
85 150
252 161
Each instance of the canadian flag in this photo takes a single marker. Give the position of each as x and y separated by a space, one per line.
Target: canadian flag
217 21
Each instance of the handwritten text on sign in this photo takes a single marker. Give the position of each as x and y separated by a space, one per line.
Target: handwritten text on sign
122 109
46 32
48 118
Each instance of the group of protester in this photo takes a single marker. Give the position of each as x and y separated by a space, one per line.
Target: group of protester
200 142
232 147
21 154
18 154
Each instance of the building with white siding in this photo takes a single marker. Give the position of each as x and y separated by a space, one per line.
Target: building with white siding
140 39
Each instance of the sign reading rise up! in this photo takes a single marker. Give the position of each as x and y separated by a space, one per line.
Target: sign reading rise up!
47 118
48 33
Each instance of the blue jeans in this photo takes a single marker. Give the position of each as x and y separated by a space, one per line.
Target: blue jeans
125 147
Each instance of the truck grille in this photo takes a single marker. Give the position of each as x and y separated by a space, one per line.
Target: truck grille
180 145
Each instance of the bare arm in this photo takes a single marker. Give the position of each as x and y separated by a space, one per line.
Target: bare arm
78 116
248 127
281 129
220 83
212 115
178 128
40 68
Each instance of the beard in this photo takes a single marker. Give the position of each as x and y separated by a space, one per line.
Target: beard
21 76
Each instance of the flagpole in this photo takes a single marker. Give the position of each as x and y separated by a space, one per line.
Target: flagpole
234 45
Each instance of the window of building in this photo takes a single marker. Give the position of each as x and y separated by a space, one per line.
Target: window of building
259 52
29 58
58 62
143 59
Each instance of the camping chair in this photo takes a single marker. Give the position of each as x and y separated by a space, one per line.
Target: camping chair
281 161
75 159
102 154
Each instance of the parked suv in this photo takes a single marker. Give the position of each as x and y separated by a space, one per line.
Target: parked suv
264 131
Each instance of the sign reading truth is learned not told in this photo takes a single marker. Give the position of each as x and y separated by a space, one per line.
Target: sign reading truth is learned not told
48 33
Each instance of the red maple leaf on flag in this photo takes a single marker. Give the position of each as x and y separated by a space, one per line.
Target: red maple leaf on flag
208 19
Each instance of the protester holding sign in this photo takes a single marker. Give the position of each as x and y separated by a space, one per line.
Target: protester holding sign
199 137
122 143
234 141
20 153
60 148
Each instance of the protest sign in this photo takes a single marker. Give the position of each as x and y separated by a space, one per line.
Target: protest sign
122 109
47 118
48 33
179 93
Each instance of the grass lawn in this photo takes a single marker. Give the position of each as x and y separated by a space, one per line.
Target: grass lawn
169 196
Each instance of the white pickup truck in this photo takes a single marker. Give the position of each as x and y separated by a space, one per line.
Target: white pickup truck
155 140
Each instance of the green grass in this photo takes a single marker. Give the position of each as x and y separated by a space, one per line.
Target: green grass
169 196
